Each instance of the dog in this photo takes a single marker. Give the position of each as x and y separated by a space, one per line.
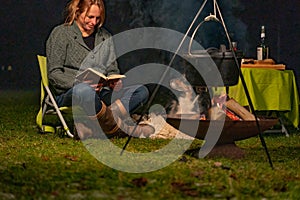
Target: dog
186 102
189 99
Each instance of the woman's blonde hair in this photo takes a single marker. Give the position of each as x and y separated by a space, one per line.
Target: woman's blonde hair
76 7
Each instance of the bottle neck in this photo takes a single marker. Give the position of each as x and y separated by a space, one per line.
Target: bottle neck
262 41
262 35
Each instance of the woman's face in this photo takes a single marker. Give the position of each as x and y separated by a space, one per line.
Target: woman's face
88 20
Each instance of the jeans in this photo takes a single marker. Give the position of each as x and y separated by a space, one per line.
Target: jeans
85 96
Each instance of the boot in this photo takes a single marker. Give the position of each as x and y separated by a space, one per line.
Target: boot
82 131
106 120
118 109
115 126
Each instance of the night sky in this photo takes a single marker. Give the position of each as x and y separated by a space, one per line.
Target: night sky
25 26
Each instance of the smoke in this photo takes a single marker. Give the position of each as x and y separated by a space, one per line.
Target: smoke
178 15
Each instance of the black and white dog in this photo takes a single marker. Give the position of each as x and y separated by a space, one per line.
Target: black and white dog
188 101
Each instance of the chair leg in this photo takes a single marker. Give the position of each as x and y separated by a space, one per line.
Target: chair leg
44 109
283 128
62 120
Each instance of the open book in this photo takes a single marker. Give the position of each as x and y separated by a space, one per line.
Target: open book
96 76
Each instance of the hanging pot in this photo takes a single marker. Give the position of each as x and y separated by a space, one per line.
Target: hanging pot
222 58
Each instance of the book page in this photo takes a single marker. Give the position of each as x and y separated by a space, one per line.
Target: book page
115 76
96 76
91 75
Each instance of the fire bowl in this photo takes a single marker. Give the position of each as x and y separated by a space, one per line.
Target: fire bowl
232 131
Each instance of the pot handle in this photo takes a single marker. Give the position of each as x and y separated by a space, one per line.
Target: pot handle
195 31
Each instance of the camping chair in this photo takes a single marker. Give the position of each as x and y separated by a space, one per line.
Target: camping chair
48 103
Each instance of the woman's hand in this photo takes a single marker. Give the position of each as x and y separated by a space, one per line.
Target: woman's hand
115 85
96 86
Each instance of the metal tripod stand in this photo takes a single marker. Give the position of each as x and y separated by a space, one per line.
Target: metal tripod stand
215 17
216 13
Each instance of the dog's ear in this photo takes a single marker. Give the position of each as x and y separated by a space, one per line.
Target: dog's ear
184 79
180 84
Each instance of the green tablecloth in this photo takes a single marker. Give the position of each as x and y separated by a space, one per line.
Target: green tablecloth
269 90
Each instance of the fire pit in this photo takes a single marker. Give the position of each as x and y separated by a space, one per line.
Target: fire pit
239 123
231 132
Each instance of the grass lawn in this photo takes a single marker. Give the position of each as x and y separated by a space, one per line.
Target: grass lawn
46 166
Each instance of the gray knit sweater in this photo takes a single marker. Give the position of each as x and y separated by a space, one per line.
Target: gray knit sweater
67 54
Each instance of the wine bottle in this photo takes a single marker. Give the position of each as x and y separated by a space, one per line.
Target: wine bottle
262 49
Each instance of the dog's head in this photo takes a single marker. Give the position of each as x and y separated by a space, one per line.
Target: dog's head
181 85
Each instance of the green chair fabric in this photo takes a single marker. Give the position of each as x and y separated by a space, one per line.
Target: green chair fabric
48 104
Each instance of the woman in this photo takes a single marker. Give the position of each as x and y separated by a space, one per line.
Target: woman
69 47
